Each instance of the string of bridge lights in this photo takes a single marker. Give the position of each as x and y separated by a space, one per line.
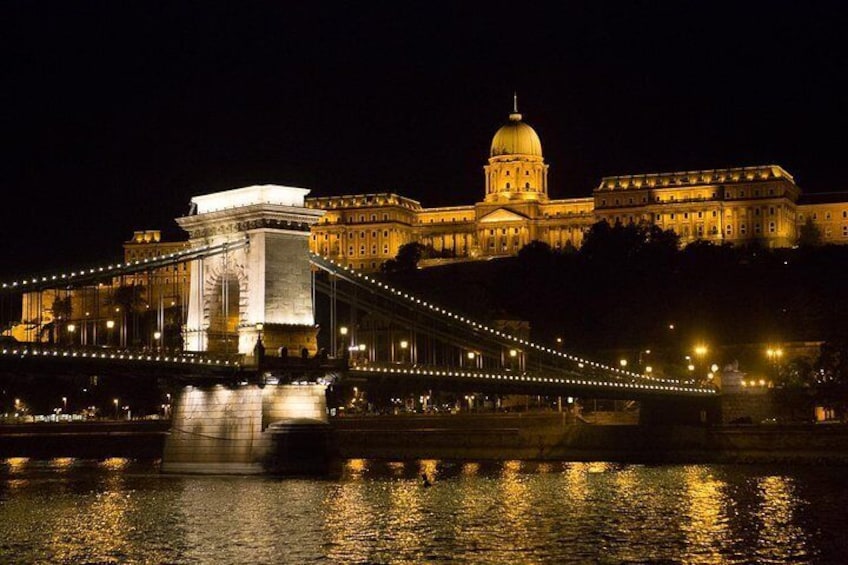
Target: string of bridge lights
111 269
181 359
420 371
581 363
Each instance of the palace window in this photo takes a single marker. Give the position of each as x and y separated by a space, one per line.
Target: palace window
827 215
757 229
350 250
507 174
672 215
828 233
373 217
756 211
373 250
741 194
844 214
658 217
771 210
771 227
603 202
385 233
729 229
844 231
362 250
685 215
385 217
815 216
362 217
714 213
507 185
742 229
526 185
526 173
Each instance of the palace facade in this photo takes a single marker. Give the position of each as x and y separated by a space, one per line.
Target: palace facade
736 205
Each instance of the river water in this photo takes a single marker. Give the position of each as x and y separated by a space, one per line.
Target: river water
120 511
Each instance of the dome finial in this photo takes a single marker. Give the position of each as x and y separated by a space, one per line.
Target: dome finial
515 116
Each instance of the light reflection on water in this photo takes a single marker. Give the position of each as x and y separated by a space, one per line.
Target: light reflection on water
118 511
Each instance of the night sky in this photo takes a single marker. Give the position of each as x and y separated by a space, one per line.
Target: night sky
114 114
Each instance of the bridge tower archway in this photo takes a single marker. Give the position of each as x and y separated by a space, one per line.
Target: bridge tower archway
261 285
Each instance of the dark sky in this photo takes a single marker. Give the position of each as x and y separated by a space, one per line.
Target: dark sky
114 114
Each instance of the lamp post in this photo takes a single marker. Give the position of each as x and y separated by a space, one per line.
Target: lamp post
71 329
157 335
115 402
65 404
774 354
343 334
404 347
110 325
700 351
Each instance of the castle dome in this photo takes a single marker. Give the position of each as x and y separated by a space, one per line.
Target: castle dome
516 138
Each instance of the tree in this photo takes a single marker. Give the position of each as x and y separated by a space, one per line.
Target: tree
407 258
809 235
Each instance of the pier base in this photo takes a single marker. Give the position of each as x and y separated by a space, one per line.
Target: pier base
223 430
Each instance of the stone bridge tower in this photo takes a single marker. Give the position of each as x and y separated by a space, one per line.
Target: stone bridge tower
262 285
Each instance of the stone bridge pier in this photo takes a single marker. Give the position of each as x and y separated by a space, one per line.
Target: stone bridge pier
248 429
259 290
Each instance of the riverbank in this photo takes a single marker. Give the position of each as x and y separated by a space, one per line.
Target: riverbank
524 436
550 436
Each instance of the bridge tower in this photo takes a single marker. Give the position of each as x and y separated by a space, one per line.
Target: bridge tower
261 287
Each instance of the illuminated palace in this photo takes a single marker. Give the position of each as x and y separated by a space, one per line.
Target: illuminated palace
736 205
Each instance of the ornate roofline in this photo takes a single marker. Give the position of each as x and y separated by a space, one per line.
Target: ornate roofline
695 178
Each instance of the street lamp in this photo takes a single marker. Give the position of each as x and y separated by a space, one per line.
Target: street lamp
71 329
343 333
110 325
404 345
774 355
156 337
623 363
115 402
64 404
700 350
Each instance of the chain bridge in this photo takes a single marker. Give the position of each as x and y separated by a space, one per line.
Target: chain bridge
255 330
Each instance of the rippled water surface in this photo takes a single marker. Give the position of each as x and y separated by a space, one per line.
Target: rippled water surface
118 511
